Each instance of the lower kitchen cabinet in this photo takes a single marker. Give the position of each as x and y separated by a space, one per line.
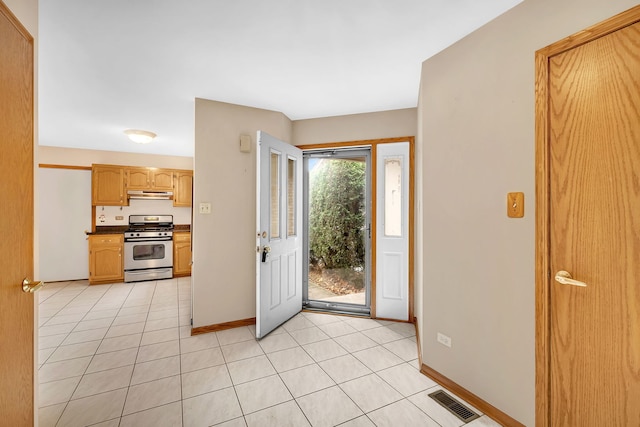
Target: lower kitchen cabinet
105 258
181 253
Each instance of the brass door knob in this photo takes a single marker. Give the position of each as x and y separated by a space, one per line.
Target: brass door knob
31 286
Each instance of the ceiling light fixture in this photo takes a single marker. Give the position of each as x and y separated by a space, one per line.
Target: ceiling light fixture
140 136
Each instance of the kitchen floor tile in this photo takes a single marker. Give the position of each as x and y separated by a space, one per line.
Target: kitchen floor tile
158 351
154 393
128 319
103 381
401 413
370 392
305 380
84 336
308 335
262 393
162 335
377 358
272 343
51 341
65 328
234 335
247 370
286 414
382 335
406 380
355 342
323 350
434 410
201 359
86 325
344 368
405 349
154 325
93 409
58 391
126 329
337 329
169 415
297 322
114 359
199 342
362 421
329 407
119 343
73 351
155 369
321 318
286 360
241 350
205 381
64 369
211 408
49 415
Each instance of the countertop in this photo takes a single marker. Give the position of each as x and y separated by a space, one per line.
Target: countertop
120 229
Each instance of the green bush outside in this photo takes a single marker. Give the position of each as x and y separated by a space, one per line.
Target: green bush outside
337 215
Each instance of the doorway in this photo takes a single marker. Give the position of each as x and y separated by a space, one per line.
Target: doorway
337 227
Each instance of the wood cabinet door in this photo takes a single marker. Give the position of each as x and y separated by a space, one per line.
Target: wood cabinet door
183 188
162 179
181 254
138 179
105 258
107 186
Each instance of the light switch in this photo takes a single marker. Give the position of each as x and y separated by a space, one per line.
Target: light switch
245 143
515 205
205 208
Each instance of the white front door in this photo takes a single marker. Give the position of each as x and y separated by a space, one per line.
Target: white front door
279 233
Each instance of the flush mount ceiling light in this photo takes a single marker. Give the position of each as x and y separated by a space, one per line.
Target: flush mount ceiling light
140 136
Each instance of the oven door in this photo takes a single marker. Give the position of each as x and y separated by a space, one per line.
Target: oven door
148 254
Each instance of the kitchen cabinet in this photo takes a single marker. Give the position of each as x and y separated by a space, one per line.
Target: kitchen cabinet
106 264
149 179
107 184
181 253
183 188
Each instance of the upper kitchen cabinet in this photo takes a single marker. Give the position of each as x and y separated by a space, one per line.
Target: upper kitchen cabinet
182 192
149 179
107 184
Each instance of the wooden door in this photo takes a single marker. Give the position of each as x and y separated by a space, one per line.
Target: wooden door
592 183
16 222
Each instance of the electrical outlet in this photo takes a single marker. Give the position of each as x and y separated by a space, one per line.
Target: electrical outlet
444 340
205 208
119 217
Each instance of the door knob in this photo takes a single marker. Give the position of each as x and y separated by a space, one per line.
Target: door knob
30 287
564 277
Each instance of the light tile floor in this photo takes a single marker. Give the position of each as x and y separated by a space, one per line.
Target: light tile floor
122 355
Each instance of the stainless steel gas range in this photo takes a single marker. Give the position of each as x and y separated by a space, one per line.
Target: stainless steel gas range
148 248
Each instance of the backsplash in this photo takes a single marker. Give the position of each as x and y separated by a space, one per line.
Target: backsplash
106 215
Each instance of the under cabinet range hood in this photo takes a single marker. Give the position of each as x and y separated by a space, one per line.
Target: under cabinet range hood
150 195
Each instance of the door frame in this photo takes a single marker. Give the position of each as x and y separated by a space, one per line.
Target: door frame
373 143
543 217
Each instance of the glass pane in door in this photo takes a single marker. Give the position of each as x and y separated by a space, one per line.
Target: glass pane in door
338 230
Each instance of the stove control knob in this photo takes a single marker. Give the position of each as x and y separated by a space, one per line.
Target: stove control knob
137 234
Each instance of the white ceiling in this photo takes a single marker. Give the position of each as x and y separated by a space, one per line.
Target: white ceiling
106 66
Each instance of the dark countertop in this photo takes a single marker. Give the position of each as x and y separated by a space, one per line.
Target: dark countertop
120 229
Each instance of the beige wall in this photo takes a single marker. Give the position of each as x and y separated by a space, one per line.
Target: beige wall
81 157
477 136
355 127
224 241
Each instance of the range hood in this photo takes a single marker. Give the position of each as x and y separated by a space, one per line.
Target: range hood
150 194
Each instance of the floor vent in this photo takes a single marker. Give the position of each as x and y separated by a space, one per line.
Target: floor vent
453 406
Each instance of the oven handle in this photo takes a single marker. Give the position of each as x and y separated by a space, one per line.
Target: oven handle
147 239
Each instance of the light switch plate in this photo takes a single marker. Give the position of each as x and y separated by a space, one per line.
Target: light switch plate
205 208
245 143
515 205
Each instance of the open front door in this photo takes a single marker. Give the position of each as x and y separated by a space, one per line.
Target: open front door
279 233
